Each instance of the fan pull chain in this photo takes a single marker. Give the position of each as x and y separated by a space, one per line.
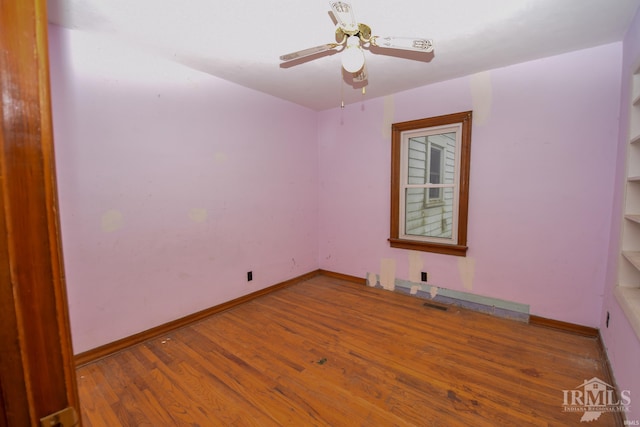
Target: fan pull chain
341 90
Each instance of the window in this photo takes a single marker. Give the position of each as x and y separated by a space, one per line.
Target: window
430 184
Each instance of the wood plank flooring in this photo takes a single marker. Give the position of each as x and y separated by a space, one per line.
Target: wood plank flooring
326 352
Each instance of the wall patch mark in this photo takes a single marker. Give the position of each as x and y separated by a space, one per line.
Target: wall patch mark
388 116
415 266
433 292
198 215
372 279
467 269
111 221
481 96
388 273
220 157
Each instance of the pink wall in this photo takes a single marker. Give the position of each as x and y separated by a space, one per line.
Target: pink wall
623 346
542 169
173 184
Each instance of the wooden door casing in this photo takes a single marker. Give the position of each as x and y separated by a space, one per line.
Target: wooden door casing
37 375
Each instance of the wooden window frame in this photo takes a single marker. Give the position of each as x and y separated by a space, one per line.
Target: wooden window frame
397 129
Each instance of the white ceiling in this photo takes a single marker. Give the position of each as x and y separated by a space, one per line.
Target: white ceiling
241 40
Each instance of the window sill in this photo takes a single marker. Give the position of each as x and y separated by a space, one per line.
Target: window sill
456 250
629 300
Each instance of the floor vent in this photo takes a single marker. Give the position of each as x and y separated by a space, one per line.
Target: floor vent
436 306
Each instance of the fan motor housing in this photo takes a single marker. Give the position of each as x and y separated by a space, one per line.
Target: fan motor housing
363 33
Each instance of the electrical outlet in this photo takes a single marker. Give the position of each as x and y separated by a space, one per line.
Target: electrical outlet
423 276
249 276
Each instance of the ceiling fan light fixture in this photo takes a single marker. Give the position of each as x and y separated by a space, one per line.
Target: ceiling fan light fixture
351 39
353 56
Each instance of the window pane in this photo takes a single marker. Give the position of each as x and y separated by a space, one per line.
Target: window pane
435 172
443 148
435 194
429 220
432 159
417 162
435 165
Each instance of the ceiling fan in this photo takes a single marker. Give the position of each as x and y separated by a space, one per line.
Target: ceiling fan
352 37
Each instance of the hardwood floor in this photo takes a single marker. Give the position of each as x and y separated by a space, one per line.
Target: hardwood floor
326 352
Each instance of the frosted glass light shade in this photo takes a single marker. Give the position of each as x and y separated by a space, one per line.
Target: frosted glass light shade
353 56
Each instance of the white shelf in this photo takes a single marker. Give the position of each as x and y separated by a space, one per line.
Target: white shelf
629 300
633 257
634 218
628 290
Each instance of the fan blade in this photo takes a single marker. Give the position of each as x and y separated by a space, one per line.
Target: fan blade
344 15
308 52
406 43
